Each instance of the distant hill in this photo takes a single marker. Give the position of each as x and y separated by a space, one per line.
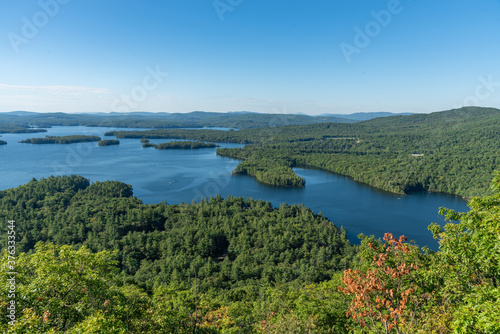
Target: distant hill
21 113
453 151
364 116
195 119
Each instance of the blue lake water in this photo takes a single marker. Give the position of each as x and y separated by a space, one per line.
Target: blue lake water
177 176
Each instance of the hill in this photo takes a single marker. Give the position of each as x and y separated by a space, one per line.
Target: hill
453 151
196 119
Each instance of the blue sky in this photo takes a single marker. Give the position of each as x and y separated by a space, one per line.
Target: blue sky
291 56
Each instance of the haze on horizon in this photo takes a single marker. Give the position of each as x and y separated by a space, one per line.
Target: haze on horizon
336 57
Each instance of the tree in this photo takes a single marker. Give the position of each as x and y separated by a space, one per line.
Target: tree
382 291
56 287
470 260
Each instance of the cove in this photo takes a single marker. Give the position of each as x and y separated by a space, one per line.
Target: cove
177 176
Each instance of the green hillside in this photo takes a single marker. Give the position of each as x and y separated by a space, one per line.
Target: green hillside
452 151
91 258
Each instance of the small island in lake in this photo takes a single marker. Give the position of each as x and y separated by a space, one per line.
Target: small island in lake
3 142
108 142
61 139
14 129
181 145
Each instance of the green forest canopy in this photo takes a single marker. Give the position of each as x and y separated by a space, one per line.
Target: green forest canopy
61 139
91 258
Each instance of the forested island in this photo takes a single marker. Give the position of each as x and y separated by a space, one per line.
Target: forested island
452 151
182 145
91 258
3 142
61 139
108 142
271 171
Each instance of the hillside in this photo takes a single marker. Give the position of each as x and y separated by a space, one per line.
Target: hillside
453 151
196 119
106 263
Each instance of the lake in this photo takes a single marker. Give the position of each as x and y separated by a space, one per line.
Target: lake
177 176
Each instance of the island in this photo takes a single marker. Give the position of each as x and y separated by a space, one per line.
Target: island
13 129
61 139
180 145
275 172
3 142
108 142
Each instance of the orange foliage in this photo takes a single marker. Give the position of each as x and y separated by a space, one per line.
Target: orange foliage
381 295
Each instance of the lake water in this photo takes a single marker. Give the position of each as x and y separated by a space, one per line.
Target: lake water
177 176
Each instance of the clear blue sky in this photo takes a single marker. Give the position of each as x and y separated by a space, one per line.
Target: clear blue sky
256 55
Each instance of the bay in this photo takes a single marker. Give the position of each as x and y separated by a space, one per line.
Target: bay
183 176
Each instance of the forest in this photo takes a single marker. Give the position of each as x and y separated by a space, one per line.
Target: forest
452 151
197 119
61 139
108 142
12 127
183 145
91 258
271 171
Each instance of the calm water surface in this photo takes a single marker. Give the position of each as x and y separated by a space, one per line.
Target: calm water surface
177 176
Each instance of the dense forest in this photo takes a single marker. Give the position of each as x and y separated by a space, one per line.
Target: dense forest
219 237
271 171
91 258
61 139
453 151
108 142
197 119
184 145
13 127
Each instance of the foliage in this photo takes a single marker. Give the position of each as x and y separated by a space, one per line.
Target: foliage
231 243
382 294
108 142
270 171
58 285
183 145
470 257
454 290
61 139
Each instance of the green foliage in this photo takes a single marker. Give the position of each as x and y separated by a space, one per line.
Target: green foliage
470 259
108 142
60 286
61 139
184 145
270 171
231 243
235 266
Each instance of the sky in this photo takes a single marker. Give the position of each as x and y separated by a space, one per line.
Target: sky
312 57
